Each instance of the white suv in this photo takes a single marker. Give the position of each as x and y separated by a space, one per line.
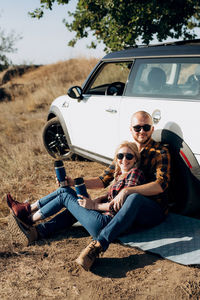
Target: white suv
163 80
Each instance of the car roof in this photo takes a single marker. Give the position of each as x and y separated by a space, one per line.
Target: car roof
188 48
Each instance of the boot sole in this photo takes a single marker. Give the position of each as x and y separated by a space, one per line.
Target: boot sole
20 233
81 264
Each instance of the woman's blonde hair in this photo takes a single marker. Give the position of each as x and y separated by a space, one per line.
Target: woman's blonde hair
133 147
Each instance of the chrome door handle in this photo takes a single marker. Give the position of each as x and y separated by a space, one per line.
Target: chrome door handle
112 111
156 116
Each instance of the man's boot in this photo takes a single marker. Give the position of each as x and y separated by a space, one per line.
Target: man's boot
89 254
21 234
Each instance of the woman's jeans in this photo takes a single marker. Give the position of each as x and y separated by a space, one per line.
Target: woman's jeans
137 211
92 220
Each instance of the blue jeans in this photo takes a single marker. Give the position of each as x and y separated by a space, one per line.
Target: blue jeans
92 220
137 211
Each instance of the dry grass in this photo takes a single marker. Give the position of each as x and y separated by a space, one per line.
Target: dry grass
26 170
46 270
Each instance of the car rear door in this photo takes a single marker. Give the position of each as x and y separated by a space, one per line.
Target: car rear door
173 104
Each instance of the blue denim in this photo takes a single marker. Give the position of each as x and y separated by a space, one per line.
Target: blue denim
47 199
137 212
92 220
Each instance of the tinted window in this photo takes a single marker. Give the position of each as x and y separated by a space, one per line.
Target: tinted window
175 78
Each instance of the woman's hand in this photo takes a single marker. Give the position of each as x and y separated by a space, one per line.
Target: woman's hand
118 201
86 202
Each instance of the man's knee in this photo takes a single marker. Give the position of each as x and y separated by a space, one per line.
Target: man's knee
134 201
134 198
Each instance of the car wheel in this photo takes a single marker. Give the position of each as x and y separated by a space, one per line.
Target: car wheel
55 141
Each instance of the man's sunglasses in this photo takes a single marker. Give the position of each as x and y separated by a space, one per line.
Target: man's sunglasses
128 156
145 127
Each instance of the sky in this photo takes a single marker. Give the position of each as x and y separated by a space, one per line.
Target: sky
43 41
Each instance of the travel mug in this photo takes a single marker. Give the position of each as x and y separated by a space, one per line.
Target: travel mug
80 187
60 172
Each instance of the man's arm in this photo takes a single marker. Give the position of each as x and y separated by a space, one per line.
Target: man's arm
146 189
91 183
94 183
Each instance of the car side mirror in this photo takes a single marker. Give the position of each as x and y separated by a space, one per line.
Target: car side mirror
75 92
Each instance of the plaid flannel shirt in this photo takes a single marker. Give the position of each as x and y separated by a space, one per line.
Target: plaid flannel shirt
134 177
155 164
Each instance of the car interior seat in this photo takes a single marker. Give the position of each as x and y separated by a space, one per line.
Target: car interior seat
156 79
193 83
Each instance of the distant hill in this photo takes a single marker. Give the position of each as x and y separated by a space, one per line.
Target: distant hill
16 80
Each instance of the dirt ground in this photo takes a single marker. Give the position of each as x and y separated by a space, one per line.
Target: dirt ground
46 270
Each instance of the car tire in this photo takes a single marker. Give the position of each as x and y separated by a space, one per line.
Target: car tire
55 141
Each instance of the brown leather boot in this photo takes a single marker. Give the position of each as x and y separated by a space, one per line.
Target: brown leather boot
89 254
20 210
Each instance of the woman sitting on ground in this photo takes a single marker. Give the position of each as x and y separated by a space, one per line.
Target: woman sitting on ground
94 214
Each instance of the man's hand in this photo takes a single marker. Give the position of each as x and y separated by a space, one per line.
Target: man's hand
86 202
118 201
68 181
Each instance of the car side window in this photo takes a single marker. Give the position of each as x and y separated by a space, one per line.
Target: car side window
172 78
110 79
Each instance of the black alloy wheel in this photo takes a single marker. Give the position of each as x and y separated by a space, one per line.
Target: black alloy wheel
55 141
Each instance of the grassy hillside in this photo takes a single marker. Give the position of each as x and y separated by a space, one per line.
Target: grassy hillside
26 170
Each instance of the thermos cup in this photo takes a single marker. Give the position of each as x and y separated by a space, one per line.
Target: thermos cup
60 172
80 187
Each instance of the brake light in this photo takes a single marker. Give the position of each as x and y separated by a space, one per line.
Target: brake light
186 159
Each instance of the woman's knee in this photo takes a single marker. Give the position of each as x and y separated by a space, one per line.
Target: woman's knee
67 194
64 189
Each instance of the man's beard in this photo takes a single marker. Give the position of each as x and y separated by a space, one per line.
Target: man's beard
143 142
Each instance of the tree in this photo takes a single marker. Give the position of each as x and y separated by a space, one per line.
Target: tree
121 24
6 46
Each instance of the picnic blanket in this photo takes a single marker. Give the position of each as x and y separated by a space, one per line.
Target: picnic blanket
176 239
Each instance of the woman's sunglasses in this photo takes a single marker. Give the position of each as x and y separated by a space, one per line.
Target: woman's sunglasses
145 127
129 156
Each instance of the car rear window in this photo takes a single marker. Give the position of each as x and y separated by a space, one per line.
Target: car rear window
173 78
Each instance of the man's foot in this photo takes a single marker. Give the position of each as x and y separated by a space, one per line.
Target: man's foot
89 254
20 210
21 234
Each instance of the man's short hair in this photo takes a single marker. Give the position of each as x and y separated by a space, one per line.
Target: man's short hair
143 113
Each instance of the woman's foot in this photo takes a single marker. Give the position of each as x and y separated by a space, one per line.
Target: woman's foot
20 210
89 254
